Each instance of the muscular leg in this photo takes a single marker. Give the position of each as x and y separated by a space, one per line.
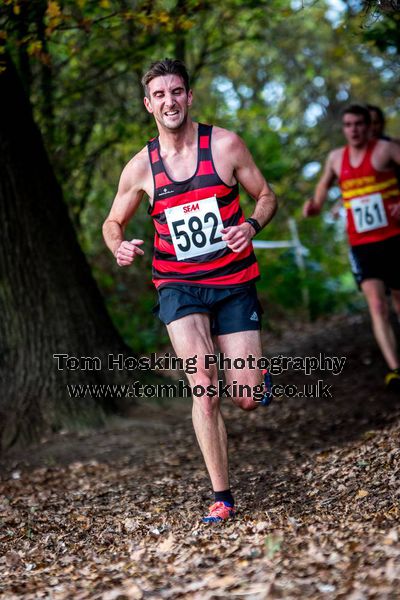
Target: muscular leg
242 345
374 291
191 335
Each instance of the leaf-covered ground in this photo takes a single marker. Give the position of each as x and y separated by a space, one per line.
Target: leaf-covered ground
114 515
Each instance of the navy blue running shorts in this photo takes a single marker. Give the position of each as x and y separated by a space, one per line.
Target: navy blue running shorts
377 260
231 309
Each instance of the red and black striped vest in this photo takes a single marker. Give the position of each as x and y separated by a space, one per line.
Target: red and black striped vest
220 268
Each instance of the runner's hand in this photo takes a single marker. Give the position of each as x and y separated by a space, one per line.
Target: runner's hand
127 252
310 210
395 210
238 237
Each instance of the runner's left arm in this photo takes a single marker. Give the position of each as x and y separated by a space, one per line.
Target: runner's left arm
394 152
250 177
394 156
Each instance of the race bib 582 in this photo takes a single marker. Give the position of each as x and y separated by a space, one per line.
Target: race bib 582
195 228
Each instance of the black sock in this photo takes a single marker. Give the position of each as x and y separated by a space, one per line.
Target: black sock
224 496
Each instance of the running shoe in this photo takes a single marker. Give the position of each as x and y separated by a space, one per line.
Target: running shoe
220 511
392 380
267 397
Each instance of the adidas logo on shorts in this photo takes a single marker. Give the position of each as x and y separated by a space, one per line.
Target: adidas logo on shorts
254 316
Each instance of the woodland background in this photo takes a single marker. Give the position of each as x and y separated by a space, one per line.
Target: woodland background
114 512
279 73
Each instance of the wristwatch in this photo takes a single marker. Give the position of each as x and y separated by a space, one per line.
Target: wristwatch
255 224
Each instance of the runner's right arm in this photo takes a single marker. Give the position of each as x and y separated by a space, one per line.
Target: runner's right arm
313 206
126 202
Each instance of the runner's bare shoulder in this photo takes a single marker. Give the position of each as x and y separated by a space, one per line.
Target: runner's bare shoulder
384 154
137 173
383 147
229 152
334 161
226 140
228 147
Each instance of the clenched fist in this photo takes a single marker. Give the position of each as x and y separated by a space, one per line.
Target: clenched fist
310 209
127 252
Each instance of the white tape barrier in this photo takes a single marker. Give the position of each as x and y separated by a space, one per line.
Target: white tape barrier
282 244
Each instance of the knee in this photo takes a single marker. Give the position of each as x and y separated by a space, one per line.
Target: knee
245 403
203 397
206 405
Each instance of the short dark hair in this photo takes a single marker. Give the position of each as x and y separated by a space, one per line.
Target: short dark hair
358 109
379 112
168 66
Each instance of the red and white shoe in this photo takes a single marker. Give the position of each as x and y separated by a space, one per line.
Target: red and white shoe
219 511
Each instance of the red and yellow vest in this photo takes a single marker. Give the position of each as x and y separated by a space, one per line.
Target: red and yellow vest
367 195
219 268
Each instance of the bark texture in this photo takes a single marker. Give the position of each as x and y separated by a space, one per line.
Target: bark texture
49 302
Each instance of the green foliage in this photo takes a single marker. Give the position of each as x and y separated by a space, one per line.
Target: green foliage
278 73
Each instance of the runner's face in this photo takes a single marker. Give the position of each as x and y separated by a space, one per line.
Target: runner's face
168 101
355 130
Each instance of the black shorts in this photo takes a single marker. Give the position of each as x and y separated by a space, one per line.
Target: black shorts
377 260
231 309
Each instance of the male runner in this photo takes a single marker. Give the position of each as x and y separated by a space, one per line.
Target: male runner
377 129
371 196
204 266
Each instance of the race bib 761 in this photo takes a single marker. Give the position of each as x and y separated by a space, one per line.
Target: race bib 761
368 213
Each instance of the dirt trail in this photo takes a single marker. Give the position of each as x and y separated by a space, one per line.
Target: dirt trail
115 514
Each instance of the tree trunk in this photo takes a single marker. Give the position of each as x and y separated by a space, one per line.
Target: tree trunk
49 302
